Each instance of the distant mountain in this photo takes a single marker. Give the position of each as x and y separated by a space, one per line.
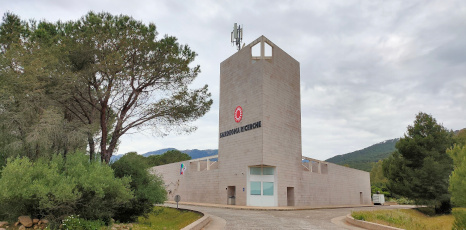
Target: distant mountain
194 153
157 152
363 159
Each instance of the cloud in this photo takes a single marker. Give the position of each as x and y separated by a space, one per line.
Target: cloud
366 67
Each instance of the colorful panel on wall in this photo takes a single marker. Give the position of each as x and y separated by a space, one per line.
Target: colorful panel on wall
182 169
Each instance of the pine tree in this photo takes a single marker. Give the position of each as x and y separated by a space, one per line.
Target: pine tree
420 168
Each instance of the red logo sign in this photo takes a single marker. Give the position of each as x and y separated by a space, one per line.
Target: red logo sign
238 114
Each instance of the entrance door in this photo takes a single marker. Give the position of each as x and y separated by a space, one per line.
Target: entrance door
231 195
290 196
261 187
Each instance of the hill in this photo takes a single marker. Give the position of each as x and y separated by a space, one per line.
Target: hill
363 159
360 159
193 153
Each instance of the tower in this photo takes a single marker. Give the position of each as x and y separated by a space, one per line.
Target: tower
259 124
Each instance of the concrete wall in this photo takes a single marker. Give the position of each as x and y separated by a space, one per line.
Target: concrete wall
193 186
339 186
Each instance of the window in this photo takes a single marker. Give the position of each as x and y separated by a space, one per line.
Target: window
255 187
268 170
268 188
255 170
262 171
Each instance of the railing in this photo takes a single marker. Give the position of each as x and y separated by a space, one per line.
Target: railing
203 164
315 166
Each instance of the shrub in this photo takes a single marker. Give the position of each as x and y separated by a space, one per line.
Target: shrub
56 188
148 189
75 223
460 218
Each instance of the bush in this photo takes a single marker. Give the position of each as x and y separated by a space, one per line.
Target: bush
402 200
56 188
460 218
380 189
148 189
75 223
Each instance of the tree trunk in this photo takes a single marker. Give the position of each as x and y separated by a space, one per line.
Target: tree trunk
103 140
90 140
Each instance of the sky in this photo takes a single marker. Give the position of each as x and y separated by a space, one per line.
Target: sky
367 67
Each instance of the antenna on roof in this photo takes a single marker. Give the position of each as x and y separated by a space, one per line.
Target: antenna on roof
237 36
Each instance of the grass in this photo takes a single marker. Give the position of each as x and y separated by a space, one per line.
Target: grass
406 219
166 218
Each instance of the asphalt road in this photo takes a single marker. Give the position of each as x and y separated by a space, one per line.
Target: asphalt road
297 219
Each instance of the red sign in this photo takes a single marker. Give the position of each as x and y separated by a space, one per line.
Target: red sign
238 114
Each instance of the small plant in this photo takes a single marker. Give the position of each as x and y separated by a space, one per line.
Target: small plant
358 215
75 223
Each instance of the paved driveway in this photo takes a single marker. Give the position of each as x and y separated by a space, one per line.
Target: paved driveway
299 219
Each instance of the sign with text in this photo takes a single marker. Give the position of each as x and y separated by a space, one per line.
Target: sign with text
241 129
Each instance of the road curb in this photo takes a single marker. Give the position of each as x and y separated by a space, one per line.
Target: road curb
369 225
199 224
287 208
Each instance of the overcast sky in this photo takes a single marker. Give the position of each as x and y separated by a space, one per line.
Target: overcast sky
367 67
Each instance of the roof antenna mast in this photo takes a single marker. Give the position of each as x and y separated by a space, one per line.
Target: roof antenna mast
237 36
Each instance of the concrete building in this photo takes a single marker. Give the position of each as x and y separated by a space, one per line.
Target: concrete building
259 161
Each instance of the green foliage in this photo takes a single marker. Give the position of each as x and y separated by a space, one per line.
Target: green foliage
401 200
167 218
148 189
364 158
457 178
358 216
58 187
55 100
460 137
168 157
378 180
460 219
380 189
406 219
33 124
75 223
420 169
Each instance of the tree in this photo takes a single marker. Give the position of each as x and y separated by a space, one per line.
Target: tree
31 123
460 137
457 184
420 167
168 157
106 75
457 178
129 73
378 180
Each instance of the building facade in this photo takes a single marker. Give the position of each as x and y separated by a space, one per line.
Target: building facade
259 161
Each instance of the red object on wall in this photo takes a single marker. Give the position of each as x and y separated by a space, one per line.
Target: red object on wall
238 114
